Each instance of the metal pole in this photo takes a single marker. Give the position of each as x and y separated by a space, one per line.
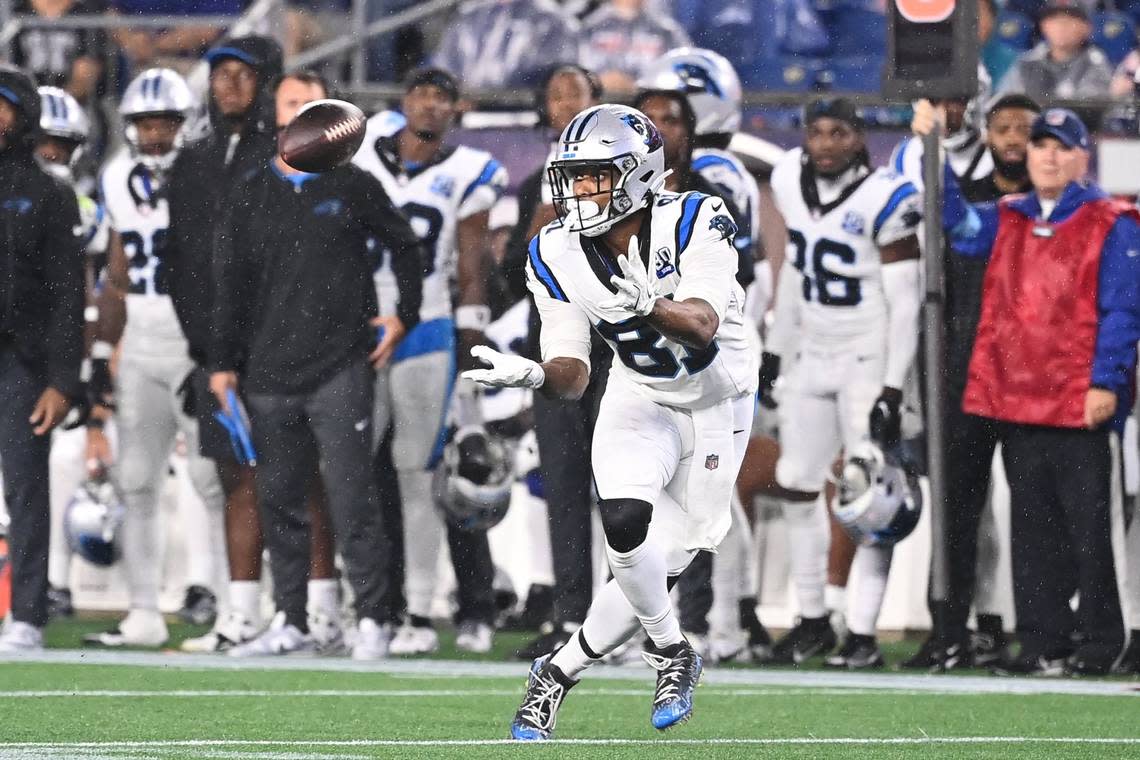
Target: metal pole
935 350
359 21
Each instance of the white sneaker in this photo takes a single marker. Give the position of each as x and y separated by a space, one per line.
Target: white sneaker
231 630
698 641
327 633
474 636
20 637
724 646
411 639
372 640
280 638
140 628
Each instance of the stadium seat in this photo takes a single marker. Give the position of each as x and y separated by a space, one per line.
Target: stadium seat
856 32
1015 30
1115 34
855 74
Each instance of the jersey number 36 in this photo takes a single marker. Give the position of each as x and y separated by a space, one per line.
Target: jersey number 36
820 283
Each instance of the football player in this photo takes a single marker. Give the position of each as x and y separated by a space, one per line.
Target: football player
135 311
447 194
713 89
848 294
654 272
64 131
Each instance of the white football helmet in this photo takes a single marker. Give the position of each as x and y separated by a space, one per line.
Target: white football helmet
155 92
63 118
707 78
879 502
472 485
92 520
598 140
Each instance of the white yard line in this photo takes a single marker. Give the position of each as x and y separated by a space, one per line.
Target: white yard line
739 677
705 691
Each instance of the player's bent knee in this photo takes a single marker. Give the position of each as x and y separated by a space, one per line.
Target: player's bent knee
626 522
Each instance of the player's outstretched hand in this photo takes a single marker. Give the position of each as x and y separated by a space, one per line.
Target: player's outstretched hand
635 291
927 117
507 370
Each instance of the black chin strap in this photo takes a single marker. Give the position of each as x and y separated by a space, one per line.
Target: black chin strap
810 190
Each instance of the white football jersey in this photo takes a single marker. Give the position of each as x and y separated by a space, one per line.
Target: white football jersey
435 197
836 247
689 254
724 171
137 210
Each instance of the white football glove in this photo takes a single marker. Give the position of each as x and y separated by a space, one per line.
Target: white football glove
635 291
507 370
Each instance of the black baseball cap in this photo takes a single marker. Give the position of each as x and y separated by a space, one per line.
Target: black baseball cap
1073 8
834 108
434 77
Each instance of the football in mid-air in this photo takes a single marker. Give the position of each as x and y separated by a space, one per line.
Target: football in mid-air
323 135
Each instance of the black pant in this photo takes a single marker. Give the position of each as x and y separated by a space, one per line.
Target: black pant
1062 491
970 444
24 459
695 592
337 417
565 431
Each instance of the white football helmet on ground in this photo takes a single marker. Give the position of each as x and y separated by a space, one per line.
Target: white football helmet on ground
879 502
597 141
709 81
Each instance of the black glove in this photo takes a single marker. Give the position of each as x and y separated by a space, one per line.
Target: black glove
769 373
100 388
886 420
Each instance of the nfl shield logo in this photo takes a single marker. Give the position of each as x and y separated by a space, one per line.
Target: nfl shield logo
712 461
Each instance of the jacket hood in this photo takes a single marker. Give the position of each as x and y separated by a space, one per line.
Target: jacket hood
264 56
18 89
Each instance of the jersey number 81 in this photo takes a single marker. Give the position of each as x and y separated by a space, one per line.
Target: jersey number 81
640 348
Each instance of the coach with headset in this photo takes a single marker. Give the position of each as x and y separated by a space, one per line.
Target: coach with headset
1053 363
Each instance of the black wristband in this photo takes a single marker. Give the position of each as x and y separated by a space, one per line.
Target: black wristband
95 423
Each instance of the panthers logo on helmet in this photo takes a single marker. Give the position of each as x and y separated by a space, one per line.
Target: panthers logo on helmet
697 79
723 224
645 128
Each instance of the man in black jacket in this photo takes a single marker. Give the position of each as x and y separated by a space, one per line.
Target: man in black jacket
41 345
295 312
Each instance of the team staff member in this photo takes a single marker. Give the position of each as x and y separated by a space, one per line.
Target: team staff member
41 345
1054 361
295 309
563 428
971 440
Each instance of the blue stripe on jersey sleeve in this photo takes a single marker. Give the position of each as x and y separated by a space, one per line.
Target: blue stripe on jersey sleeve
711 159
901 193
484 178
545 276
900 155
689 208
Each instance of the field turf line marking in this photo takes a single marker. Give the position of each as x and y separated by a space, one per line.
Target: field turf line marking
707 691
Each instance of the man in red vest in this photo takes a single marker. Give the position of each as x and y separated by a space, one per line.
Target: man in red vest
1054 362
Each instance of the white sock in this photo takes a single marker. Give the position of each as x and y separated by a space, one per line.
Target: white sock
324 596
423 540
641 576
808 539
869 572
835 598
245 599
609 624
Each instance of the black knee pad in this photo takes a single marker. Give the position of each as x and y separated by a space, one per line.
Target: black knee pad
626 522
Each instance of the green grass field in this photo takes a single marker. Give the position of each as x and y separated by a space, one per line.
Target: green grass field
137 705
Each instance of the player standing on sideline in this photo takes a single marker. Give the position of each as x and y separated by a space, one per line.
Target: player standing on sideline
135 307
64 131
41 346
447 194
714 92
849 290
653 272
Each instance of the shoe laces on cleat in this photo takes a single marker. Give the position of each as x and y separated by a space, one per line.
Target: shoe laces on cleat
544 695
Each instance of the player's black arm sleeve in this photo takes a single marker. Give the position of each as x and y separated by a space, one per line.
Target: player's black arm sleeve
63 273
233 291
392 231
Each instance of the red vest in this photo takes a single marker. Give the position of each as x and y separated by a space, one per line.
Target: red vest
1033 353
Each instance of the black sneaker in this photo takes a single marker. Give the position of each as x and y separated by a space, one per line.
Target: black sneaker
1031 664
857 653
551 638
678 673
1129 662
546 687
809 638
926 658
759 640
960 656
990 648
59 603
200 606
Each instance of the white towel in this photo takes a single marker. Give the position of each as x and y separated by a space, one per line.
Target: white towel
708 493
